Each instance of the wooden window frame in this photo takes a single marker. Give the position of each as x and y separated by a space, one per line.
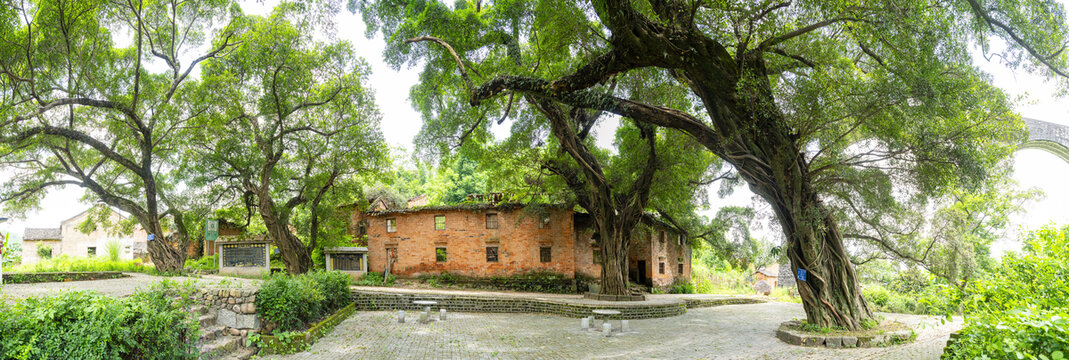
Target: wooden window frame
391 225
436 217
441 257
660 267
495 223
545 254
496 254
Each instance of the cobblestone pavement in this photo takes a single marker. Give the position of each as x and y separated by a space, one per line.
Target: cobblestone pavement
724 332
114 287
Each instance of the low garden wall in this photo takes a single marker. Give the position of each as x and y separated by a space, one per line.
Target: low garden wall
235 309
384 301
39 277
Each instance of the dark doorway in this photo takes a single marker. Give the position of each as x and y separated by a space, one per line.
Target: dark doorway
643 278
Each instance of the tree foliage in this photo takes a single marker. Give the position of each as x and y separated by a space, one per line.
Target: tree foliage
826 109
292 124
80 107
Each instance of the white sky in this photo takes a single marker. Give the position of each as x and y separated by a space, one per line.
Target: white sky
1033 168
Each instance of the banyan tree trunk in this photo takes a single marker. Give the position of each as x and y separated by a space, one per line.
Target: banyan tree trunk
294 254
614 265
830 292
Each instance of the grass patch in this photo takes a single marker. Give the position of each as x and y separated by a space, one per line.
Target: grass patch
876 327
70 264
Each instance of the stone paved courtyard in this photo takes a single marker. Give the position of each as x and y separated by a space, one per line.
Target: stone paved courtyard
725 332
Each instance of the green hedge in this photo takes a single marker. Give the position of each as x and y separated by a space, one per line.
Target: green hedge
535 281
293 302
70 264
1022 310
26 278
86 325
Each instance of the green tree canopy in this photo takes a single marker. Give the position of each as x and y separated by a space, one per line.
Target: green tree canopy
292 122
825 108
77 108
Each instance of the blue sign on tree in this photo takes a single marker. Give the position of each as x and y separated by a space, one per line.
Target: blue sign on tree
801 274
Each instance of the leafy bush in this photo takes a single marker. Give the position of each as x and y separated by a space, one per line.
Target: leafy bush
535 281
876 295
44 251
114 249
293 302
65 263
203 263
1022 310
681 288
152 324
371 278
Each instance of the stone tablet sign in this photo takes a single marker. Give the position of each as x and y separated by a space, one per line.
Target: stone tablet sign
244 255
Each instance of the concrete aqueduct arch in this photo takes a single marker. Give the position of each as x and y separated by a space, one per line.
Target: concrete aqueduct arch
1047 136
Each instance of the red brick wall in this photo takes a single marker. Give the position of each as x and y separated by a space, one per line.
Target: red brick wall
669 252
584 251
466 238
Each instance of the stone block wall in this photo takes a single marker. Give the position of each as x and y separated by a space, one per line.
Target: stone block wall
235 309
376 301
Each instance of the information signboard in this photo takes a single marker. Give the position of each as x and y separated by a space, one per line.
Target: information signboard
244 255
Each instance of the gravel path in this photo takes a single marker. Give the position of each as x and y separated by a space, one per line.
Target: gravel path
725 332
114 287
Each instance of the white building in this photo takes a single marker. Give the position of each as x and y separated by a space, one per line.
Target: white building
68 240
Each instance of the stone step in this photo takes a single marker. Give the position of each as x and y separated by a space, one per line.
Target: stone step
220 347
242 353
198 309
206 320
211 333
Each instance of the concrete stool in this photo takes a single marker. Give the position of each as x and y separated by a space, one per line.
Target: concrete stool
607 328
584 323
593 323
624 326
423 317
441 314
401 316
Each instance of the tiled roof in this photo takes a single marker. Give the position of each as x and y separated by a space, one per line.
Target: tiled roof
41 234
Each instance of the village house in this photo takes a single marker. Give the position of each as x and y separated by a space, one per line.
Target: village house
483 240
68 240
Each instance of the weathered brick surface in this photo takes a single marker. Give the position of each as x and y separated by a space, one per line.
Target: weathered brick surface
518 239
465 237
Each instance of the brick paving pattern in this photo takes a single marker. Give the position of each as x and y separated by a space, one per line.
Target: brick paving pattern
724 332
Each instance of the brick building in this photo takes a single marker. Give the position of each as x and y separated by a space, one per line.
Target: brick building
483 240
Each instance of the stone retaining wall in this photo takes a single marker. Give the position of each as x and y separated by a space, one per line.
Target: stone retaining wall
381 301
235 309
789 333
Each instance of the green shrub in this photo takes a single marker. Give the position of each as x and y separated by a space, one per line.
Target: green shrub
203 263
534 281
876 295
682 288
293 302
371 278
44 251
150 324
114 249
65 263
1021 311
